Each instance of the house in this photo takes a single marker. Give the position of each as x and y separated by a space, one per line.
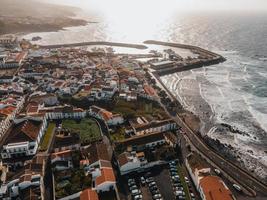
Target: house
155 126
29 185
47 99
210 187
106 181
8 113
6 78
149 93
62 160
99 165
89 194
110 118
23 138
171 139
6 40
98 152
63 112
213 188
145 141
130 162
65 140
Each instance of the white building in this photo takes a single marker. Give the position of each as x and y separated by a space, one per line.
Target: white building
29 185
23 138
63 112
153 127
110 118
130 162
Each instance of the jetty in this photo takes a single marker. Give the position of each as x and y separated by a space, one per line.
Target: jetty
204 58
102 43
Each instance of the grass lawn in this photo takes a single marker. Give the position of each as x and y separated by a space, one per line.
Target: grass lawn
139 108
88 129
47 136
118 135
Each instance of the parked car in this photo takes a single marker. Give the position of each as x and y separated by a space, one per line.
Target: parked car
156 196
152 184
149 180
173 169
237 187
153 188
218 172
178 189
134 187
143 180
131 183
154 192
174 173
131 180
138 197
135 192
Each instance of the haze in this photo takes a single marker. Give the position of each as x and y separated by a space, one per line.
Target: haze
107 5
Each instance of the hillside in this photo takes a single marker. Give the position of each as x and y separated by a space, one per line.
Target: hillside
31 16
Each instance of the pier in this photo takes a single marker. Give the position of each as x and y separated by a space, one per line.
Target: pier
103 43
205 58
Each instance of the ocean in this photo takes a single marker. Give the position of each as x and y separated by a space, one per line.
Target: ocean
233 92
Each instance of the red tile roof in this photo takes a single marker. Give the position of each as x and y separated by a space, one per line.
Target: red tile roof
7 110
149 90
105 114
88 194
98 151
107 175
62 154
214 189
123 158
27 130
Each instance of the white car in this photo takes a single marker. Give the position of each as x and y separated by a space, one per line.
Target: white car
218 172
135 192
152 184
134 187
237 187
138 197
143 181
156 196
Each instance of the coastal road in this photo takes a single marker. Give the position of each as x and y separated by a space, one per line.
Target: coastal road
241 177
250 184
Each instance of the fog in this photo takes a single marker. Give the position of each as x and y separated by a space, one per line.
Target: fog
107 5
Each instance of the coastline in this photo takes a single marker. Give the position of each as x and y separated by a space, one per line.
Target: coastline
205 120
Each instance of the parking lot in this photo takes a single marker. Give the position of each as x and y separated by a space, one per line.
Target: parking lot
161 182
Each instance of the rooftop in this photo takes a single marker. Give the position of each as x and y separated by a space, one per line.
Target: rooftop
214 189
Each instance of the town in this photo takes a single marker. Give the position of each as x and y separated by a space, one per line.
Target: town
94 124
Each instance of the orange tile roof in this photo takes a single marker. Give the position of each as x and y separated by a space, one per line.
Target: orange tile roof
107 175
105 114
7 110
149 90
214 189
88 194
123 159
63 154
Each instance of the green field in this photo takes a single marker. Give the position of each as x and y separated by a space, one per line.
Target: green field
88 129
139 108
47 136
